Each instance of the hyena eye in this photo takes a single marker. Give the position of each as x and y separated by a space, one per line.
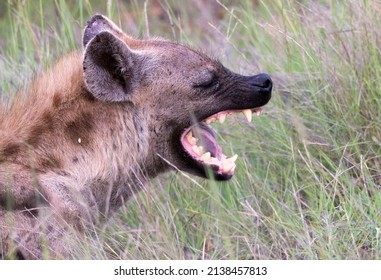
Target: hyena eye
206 80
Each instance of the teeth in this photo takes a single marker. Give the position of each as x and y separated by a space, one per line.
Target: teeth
213 160
210 120
223 163
228 167
248 114
232 159
222 118
189 135
191 139
196 150
206 157
201 150
232 170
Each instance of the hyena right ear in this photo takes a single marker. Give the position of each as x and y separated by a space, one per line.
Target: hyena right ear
110 68
97 24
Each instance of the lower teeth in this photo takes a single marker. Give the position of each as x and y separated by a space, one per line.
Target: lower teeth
224 164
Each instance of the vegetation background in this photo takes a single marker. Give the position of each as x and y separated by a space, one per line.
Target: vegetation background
308 179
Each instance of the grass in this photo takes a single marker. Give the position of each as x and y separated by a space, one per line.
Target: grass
308 180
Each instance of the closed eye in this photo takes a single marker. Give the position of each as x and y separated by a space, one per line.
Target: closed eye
207 84
206 80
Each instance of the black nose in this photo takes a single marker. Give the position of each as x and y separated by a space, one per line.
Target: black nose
262 81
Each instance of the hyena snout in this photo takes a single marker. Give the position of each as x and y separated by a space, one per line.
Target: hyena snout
262 83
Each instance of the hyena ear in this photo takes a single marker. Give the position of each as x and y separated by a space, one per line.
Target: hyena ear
97 24
110 68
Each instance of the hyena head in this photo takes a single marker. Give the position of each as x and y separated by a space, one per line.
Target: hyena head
176 90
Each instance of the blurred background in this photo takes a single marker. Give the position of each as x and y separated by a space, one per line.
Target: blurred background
307 184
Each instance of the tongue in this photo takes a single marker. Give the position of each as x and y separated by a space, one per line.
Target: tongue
208 140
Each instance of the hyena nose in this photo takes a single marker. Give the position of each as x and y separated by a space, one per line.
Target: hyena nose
263 82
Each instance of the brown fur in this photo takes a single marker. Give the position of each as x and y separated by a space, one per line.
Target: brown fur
94 128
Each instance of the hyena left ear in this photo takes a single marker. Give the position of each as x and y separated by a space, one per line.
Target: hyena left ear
110 67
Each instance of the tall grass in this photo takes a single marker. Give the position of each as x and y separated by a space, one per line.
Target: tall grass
307 185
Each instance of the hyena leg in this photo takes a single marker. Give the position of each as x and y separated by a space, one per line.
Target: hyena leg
67 202
32 234
18 187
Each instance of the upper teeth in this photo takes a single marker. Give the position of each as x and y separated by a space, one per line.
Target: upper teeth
248 114
221 117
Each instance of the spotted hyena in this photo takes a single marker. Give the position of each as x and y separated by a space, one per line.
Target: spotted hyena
94 128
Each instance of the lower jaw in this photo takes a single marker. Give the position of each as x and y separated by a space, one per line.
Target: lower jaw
214 161
206 171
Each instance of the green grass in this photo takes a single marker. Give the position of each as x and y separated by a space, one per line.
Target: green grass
308 180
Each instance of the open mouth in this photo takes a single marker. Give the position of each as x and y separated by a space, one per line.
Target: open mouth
200 142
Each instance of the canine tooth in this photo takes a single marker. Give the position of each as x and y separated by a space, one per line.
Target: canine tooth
232 170
206 157
248 114
232 159
228 167
195 149
222 118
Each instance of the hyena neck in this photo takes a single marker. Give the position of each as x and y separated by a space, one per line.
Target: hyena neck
158 159
155 163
